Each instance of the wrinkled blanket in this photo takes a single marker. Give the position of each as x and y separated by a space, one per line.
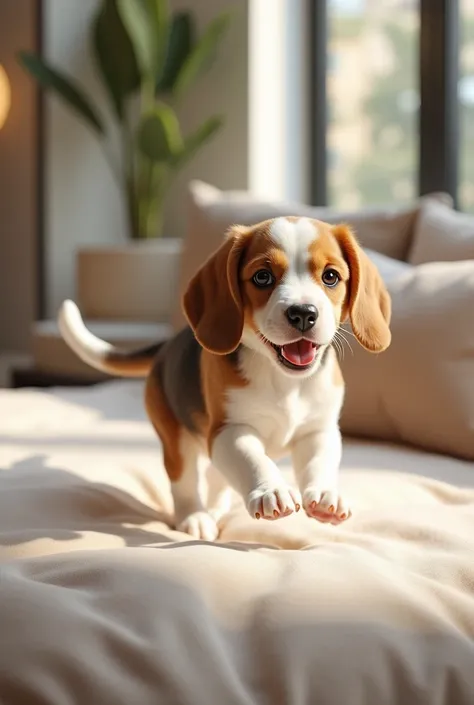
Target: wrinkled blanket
103 603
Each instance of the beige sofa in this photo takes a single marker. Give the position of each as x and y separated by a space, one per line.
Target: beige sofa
102 602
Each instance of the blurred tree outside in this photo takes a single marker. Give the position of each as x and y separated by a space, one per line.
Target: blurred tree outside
389 171
384 168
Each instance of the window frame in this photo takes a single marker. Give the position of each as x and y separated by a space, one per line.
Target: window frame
439 104
318 104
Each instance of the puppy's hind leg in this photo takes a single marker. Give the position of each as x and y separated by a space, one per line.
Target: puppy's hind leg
201 495
190 490
184 458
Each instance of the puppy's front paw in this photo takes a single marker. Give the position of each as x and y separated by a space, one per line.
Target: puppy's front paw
273 502
326 506
200 525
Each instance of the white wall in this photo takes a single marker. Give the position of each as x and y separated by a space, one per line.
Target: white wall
259 83
223 162
83 205
278 99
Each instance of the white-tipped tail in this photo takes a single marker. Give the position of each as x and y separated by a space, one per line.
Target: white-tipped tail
98 353
85 344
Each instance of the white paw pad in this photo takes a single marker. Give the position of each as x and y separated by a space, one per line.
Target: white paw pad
273 502
200 525
326 506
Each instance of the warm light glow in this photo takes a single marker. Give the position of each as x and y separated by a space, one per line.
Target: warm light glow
5 96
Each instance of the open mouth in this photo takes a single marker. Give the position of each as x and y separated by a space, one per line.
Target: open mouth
299 355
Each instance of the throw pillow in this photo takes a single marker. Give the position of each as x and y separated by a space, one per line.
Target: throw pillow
419 391
442 234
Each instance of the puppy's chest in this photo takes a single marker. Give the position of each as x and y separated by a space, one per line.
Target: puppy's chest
276 411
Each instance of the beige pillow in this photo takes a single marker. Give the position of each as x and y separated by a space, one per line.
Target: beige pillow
212 211
442 234
421 390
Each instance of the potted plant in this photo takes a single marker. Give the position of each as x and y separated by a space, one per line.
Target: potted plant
146 58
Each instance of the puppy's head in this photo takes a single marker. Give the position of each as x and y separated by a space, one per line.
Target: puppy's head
283 287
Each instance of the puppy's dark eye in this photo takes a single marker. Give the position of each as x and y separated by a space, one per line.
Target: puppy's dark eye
331 277
263 278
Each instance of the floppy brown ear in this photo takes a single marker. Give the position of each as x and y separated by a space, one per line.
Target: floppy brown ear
212 302
369 304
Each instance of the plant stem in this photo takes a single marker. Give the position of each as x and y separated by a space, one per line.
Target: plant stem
144 174
143 189
129 176
155 220
148 94
132 209
156 189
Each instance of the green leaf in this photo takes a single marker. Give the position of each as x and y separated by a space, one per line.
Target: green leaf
159 137
178 48
146 23
197 139
203 52
115 55
158 11
51 79
135 17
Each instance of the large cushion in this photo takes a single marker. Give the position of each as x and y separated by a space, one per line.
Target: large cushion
421 390
442 234
212 211
102 602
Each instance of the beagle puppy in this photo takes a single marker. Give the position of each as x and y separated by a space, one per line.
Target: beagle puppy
255 375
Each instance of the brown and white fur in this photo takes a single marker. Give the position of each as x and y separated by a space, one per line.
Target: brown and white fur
253 377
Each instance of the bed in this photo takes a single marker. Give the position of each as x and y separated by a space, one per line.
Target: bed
103 602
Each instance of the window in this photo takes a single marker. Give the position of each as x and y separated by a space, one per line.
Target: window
373 97
387 72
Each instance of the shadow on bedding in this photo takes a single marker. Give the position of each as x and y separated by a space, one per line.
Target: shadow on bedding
40 502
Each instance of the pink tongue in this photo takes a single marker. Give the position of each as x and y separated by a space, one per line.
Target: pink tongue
300 353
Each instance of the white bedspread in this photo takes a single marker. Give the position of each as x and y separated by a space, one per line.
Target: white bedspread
103 603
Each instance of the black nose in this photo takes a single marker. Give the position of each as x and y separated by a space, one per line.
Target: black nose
302 317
